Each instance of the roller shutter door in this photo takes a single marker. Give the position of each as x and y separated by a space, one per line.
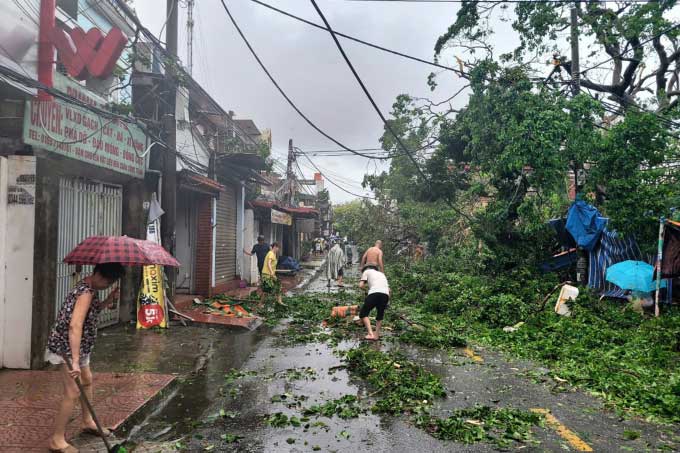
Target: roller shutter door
86 208
225 253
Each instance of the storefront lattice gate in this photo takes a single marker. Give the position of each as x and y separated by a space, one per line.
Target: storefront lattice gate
86 208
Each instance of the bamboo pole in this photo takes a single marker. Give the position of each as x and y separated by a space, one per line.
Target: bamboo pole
659 257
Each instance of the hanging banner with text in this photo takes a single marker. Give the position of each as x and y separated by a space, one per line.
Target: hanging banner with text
74 132
281 218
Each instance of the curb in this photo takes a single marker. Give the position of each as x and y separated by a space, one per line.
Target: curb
151 406
305 283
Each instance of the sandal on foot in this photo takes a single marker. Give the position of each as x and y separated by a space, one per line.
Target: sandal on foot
95 432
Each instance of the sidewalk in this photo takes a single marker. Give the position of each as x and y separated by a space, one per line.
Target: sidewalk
200 314
28 402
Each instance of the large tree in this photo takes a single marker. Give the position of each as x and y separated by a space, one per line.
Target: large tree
633 54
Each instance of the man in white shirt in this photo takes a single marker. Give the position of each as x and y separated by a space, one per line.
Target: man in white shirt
378 297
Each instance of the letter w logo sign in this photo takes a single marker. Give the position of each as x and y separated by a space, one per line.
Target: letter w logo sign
89 53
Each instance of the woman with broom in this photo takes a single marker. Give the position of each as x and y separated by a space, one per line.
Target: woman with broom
72 338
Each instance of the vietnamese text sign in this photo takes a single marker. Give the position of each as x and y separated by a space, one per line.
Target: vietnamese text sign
281 217
72 131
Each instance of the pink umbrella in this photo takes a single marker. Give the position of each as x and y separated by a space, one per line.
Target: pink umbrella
120 249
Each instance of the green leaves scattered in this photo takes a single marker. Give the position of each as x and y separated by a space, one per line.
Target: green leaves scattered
235 375
278 420
281 420
630 434
230 438
297 374
400 384
345 407
482 423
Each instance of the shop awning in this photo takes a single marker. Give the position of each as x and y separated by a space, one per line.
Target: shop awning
188 180
300 212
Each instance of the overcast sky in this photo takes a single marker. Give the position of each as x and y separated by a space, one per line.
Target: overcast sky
309 67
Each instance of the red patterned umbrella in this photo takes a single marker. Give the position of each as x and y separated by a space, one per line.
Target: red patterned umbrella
120 249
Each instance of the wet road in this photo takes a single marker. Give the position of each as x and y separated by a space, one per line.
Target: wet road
209 412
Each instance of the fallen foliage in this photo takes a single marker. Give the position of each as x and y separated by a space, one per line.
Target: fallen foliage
482 423
401 386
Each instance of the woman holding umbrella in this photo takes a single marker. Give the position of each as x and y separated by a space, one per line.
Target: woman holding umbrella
73 338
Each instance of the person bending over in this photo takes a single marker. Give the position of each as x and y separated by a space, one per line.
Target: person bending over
375 282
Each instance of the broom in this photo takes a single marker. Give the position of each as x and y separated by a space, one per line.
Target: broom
118 448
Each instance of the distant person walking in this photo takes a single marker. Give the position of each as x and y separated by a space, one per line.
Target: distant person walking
335 263
378 297
270 283
260 250
374 257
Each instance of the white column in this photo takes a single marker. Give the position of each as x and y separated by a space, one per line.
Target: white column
213 224
19 240
249 263
4 175
240 207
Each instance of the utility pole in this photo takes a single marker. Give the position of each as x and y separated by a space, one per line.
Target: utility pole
190 36
290 174
582 261
169 189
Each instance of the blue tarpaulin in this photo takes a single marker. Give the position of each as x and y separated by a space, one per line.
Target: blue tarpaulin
585 224
611 249
288 262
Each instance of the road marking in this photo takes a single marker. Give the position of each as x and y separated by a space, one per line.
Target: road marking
564 432
471 354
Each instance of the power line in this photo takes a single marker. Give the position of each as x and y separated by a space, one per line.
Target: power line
377 109
283 93
360 41
337 185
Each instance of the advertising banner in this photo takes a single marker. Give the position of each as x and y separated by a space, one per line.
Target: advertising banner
281 217
74 132
151 309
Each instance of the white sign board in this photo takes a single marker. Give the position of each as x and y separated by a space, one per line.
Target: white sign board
81 134
281 217
16 316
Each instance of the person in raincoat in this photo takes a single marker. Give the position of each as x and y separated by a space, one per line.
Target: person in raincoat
335 263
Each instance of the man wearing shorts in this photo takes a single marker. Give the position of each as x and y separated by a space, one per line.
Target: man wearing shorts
378 297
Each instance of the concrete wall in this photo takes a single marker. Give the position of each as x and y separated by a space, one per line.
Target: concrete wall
44 258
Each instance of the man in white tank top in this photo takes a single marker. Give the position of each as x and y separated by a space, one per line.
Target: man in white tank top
378 297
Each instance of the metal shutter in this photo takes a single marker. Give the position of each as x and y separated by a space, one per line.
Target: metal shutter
86 208
225 253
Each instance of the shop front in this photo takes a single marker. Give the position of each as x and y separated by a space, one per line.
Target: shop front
69 169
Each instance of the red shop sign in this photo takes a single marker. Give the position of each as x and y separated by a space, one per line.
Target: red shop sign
88 54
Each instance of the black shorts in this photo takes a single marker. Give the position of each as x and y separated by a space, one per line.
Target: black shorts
340 272
375 300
